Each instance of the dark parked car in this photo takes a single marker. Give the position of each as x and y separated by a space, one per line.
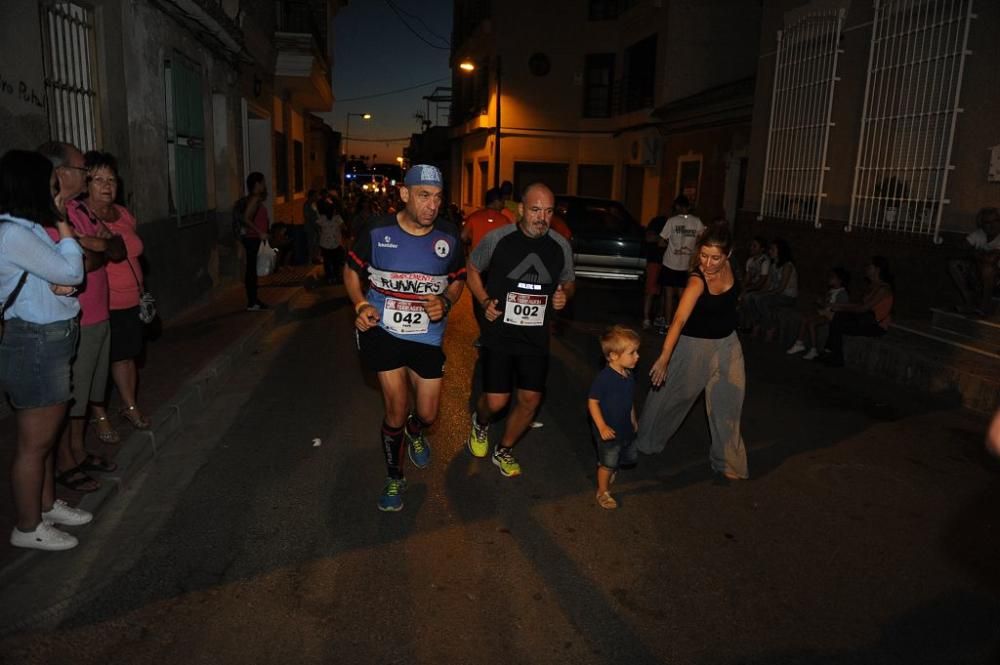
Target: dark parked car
607 240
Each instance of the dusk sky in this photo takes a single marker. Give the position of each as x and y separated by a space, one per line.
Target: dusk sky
375 52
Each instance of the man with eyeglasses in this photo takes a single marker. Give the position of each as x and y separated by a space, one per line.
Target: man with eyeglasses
528 276
90 364
68 162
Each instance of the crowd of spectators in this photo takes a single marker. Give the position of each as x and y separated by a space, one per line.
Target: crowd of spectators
71 281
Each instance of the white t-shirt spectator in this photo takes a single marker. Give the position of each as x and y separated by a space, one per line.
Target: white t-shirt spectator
979 240
757 267
331 231
681 233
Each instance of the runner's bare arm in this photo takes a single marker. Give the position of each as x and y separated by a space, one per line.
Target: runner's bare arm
366 315
438 306
478 291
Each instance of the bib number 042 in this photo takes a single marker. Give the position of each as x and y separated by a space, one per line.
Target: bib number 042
405 317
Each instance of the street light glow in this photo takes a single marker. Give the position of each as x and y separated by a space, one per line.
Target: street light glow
467 66
366 116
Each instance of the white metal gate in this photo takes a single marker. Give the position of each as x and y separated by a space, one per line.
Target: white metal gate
805 73
915 69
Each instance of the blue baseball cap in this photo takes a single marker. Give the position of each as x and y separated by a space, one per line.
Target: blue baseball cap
423 174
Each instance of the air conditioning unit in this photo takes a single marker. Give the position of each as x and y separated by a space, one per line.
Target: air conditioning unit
645 151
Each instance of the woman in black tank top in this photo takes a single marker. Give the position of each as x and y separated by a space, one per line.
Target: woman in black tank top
702 353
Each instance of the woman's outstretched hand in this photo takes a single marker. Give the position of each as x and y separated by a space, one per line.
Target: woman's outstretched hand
658 372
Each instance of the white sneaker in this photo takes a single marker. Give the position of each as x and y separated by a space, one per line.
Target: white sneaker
798 347
536 424
811 354
44 537
63 513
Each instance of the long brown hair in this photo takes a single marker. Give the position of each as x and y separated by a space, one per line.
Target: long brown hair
717 234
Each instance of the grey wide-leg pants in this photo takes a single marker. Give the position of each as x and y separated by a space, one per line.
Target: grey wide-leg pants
716 367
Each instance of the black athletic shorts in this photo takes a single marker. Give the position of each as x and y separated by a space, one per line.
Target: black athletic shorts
382 352
502 371
677 279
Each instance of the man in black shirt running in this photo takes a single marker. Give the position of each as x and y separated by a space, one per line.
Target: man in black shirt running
530 274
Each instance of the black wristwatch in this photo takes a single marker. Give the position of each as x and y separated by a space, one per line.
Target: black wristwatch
447 303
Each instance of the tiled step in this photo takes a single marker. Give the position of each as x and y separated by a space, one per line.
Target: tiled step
930 361
985 333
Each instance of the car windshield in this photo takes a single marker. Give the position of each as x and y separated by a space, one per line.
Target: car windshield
603 219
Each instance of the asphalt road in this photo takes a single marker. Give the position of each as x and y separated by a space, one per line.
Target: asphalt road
868 532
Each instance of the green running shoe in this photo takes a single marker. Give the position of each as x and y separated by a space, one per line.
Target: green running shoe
479 441
506 462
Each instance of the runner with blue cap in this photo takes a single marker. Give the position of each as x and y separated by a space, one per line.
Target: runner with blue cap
403 275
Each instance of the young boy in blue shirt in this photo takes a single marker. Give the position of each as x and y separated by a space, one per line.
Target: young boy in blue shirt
612 410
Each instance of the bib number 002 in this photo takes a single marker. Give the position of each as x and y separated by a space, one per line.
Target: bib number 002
525 310
405 317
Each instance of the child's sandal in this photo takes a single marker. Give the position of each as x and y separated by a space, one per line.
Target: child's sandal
606 501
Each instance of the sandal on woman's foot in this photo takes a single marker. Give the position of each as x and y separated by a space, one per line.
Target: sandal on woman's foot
134 416
78 481
97 464
105 432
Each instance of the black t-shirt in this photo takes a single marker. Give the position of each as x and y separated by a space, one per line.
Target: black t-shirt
652 250
522 276
713 316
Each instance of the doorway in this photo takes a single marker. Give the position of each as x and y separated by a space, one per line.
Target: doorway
257 151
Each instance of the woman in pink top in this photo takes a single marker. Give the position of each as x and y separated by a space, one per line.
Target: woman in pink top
254 230
869 318
124 285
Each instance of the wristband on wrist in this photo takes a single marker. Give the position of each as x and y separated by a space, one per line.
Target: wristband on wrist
446 302
360 305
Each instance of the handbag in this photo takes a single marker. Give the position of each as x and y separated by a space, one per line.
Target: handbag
147 303
10 300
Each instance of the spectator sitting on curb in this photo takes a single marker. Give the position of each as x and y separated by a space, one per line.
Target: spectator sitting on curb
869 318
975 276
756 277
837 281
782 290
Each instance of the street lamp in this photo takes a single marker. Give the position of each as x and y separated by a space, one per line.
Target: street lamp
347 138
468 66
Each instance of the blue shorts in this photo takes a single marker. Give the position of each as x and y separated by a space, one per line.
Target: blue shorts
619 450
35 361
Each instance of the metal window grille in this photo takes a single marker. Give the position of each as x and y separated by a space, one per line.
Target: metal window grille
71 73
911 106
805 74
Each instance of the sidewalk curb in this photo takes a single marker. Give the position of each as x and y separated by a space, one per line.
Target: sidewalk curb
140 447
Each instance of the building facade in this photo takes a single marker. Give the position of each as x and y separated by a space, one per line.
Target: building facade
875 132
600 98
190 95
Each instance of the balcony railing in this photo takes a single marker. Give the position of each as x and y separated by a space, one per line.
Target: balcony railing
298 17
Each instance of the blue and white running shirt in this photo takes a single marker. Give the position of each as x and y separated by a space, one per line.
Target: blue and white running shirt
402 268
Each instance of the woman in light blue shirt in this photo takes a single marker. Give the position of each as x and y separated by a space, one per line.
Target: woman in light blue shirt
37 284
